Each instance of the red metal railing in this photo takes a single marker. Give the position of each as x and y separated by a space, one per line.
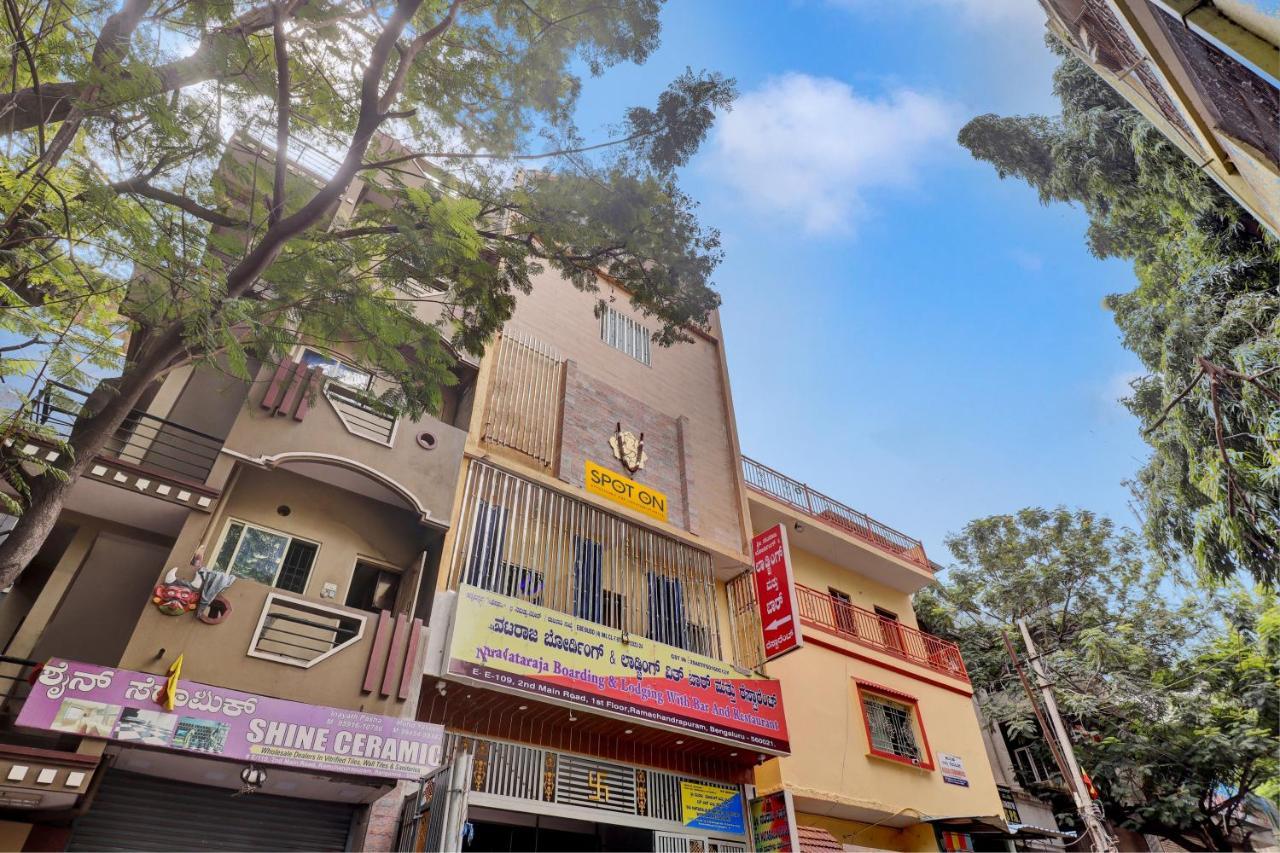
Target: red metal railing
779 486
855 623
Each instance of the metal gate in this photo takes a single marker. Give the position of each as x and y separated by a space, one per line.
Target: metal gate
433 817
136 812
674 842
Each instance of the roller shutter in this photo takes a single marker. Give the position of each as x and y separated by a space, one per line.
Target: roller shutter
135 812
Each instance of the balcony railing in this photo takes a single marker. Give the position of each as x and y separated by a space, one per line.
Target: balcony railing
521 540
855 623
145 440
795 494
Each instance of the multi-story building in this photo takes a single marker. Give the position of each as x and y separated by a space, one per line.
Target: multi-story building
525 623
299 681
886 748
1205 72
581 652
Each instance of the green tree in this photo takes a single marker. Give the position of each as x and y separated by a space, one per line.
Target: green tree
117 178
1172 704
1204 317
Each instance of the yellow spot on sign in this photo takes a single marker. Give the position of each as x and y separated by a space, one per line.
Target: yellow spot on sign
626 491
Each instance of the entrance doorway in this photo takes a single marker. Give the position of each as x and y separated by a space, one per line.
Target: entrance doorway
499 831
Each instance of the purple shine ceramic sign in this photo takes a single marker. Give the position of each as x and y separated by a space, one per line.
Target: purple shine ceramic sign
121 705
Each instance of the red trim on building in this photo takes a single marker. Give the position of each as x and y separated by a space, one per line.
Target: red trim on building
861 687
918 676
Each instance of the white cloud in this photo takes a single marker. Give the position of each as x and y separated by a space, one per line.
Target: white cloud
1029 261
811 147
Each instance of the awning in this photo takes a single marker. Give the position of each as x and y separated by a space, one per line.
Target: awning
1030 830
815 840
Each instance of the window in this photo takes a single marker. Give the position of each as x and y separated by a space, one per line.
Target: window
373 588
1030 770
338 371
842 604
266 556
666 612
486 568
623 333
891 729
889 632
894 728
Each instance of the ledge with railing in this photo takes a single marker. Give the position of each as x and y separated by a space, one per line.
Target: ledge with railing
797 495
144 440
850 622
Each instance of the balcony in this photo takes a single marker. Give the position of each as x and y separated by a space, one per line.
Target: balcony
859 525
147 454
862 626
302 419
521 540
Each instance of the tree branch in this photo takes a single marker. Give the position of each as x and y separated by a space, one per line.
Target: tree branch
139 186
282 114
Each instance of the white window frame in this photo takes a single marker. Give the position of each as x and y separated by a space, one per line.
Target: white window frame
342 362
626 335
286 596
222 538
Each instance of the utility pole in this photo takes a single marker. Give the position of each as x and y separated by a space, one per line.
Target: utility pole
1102 841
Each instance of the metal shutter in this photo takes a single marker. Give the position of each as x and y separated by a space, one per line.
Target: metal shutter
136 812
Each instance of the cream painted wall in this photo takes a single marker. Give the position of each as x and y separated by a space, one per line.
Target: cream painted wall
346 526
829 749
684 380
820 574
830 757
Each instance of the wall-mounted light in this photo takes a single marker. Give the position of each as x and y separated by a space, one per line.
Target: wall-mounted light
253 779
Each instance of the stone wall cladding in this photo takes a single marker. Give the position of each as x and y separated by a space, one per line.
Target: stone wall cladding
684 380
592 411
382 822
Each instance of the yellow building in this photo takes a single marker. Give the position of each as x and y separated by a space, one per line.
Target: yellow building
886 747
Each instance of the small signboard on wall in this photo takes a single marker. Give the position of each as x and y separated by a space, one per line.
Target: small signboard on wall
773 823
952 769
776 592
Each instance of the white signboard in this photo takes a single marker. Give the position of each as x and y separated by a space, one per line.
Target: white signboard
952 769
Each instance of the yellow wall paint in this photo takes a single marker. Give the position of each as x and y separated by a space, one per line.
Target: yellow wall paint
918 837
813 571
830 759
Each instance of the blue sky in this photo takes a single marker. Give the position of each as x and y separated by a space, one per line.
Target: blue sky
905 332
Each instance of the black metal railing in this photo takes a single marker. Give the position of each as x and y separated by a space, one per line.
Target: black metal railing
779 486
144 440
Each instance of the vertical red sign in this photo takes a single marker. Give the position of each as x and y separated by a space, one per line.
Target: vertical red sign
776 592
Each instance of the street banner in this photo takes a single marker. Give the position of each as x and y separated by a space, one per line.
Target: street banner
776 592
510 644
125 706
773 823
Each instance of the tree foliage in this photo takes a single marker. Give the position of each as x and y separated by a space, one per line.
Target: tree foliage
139 159
1172 703
1204 317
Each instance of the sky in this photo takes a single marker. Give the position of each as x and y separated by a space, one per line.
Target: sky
905 332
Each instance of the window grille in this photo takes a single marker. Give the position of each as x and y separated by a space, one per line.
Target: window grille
891 728
623 333
524 541
524 406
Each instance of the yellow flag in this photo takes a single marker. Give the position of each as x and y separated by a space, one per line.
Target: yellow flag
171 686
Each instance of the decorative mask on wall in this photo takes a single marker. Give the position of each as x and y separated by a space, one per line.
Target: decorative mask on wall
628 449
173 597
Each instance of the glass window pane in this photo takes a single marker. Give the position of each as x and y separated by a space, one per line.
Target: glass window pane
260 554
352 377
229 543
